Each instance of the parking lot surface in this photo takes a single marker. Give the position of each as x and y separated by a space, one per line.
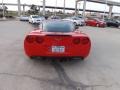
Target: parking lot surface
99 71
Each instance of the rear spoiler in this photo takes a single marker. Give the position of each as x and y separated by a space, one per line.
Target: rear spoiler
63 35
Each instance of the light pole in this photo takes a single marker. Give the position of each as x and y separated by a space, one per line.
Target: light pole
44 7
39 7
76 7
55 7
105 9
79 8
84 9
3 10
24 8
64 7
19 8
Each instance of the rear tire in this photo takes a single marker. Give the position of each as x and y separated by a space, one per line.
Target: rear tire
29 21
32 57
75 23
82 58
118 26
87 24
97 25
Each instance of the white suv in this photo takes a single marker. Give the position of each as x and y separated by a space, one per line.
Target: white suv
75 20
36 19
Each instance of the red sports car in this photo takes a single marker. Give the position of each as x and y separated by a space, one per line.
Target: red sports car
95 22
59 39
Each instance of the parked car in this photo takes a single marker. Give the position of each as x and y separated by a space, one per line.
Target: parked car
118 21
95 22
24 18
112 22
57 38
77 21
81 19
36 19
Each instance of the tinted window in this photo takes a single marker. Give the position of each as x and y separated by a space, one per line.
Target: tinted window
35 16
80 17
55 17
75 18
58 26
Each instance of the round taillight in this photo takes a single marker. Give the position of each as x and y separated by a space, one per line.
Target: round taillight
39 39
76 40
30 39
85 40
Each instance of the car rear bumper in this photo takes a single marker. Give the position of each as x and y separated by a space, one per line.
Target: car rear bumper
42 52
57 46
36 22
80 24
59 58
102 25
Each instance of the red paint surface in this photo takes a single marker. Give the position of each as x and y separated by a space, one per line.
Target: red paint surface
40 44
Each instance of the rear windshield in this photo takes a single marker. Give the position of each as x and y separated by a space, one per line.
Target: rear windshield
35 16
55 17
75 18
58 26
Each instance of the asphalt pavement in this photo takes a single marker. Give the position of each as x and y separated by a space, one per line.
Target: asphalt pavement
99 71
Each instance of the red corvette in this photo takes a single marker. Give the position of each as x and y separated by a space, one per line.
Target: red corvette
57 39
95 22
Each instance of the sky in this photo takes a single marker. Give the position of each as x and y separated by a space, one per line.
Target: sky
69 3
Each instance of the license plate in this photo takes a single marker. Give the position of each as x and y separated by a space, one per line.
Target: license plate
58 49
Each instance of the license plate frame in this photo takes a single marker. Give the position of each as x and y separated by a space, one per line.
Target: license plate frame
58 49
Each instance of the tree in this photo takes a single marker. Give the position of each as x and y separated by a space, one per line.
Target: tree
34 9
5 9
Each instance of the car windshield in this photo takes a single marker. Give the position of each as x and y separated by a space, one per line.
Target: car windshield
58 26
80 17
75 18
97 19
35 16
55 17
41 17
118 21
